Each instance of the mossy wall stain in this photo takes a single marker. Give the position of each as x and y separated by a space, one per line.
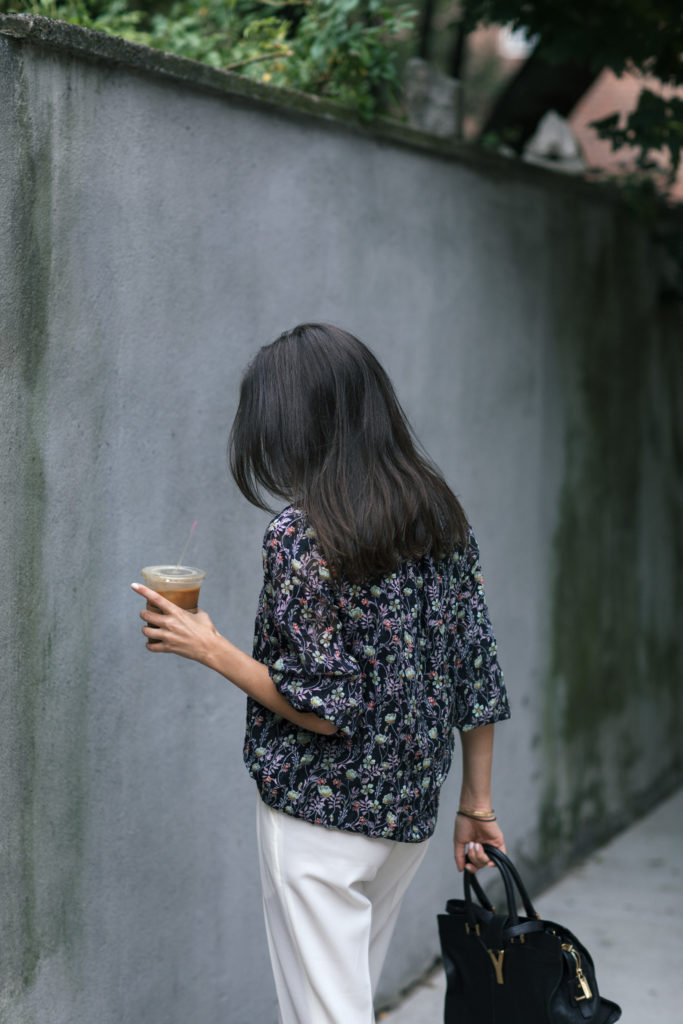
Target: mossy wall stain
663 662
39 909
31 251
604 662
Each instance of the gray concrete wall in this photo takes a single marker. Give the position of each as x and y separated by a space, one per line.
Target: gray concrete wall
157 226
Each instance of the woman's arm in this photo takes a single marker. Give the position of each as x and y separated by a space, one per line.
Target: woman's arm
475 796
193 635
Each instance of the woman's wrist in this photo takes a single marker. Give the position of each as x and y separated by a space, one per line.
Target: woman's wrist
477 815
217 654
475 801
477 754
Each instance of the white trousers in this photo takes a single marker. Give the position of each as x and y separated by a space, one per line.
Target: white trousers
331 900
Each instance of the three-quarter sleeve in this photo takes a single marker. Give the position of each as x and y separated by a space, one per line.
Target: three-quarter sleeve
307 662
480 691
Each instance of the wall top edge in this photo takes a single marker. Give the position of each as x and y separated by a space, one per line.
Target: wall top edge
90 45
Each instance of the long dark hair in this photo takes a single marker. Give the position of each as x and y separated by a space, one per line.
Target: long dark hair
319 425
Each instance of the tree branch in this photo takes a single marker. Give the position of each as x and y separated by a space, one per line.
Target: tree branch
287 3
259 57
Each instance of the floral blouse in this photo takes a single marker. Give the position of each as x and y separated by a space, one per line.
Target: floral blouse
397 664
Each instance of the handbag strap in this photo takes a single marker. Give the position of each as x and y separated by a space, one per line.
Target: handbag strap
511 880
508 870
479 893
471 883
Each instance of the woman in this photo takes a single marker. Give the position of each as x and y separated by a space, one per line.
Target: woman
372 645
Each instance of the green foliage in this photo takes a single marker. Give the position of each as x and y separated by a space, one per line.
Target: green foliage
644 36
114 18
342 49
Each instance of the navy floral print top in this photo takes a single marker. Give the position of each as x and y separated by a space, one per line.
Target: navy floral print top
397 664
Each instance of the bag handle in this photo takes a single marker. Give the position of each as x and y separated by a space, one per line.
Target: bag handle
472 883
479 893
510 875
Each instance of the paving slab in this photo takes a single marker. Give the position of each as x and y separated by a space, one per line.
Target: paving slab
625 903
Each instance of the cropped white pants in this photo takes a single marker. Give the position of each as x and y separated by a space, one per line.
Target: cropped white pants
331 900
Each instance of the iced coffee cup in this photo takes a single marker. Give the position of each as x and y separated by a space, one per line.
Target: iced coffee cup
177 583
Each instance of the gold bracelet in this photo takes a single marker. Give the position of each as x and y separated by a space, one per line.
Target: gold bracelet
464 814
476 814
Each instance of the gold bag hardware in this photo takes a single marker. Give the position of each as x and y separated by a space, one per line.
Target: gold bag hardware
580 976
497 961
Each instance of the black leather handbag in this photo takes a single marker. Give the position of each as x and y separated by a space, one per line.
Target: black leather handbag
515 969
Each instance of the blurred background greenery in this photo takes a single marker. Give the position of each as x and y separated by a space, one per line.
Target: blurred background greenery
515 60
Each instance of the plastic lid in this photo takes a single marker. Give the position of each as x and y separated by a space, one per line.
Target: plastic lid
173 573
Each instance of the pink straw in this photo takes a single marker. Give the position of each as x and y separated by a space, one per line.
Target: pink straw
182 553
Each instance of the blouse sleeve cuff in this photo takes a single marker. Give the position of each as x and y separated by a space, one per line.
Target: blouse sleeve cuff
484 715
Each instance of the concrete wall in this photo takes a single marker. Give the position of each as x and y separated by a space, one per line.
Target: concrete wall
157 225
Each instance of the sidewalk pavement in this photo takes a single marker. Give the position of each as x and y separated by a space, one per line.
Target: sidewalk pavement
625 904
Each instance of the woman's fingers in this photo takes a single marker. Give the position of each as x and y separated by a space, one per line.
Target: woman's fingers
476 857
156 618
173 630
470 856
154 645
469 837
153 597
154 624
152 617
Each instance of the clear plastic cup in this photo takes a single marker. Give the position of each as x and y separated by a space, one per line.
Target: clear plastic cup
177 583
